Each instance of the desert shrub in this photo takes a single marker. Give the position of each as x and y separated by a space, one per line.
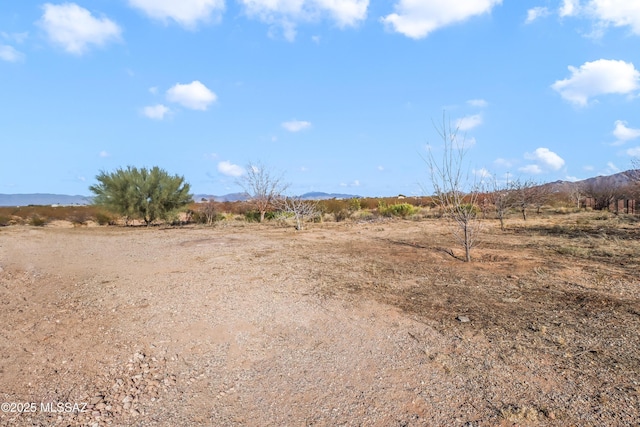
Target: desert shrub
79 217
37 221
364 215
354 204
254 216
332 206
104 218
341 215
5 220
402 210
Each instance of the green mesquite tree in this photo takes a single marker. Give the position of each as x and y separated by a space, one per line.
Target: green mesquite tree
146 194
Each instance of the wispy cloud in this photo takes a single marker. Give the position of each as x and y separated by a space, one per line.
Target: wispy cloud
479 103
469 122
569 8
10 54
75 29
156 112
229 169
617 13
417 19
623 133
187 13
535 13
284 16
296 125
531 169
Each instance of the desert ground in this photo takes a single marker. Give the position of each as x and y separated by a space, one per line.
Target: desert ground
352 323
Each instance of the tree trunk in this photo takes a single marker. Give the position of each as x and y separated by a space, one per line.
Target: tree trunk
467 244
262 216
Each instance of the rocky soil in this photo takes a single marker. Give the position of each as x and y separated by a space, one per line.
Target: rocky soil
371 324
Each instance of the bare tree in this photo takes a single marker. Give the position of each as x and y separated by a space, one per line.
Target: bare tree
540 195
209 211
602 192
576 195
523 195
634 177
263 185
300 209
501 198
455 193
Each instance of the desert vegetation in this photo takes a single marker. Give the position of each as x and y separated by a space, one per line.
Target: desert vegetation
326 312
367 320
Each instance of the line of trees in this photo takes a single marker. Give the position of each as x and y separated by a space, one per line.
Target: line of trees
153 194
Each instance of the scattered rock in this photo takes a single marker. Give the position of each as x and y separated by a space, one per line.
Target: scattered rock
463 319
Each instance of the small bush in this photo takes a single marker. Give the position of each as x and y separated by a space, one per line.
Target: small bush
341 215
254 216
103 218
4 220
402 210
37 221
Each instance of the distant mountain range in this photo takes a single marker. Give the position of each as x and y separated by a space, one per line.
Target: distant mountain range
42 199
618 179
66 200
240 197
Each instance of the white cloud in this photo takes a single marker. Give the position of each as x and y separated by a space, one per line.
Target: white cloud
634 152
531 169
229 169
535 13
153 90
482 173
194 95
571 178
569 7
284 15
346 13
156 112
619 13
187 13
418 18
546 157
469 122
104 154
610 169
9 54
380 168
595 78
480 103
296 125
15 37
624 133
503 162
76 29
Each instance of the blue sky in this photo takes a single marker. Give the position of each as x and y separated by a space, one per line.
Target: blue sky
339 95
